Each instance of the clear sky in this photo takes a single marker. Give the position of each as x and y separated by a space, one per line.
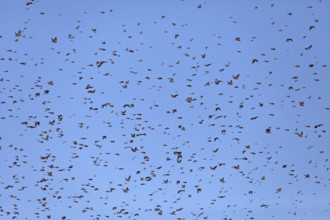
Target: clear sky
169 109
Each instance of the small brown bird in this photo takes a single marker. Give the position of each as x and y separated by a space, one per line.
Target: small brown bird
214 168
128 179
54 39
19 33
236 77
236 167
189 99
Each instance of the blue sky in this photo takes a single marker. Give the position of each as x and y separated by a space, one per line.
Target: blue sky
159 110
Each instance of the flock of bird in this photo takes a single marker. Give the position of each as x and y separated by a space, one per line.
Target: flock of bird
164 110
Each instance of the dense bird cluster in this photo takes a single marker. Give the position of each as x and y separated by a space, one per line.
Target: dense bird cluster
164 110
